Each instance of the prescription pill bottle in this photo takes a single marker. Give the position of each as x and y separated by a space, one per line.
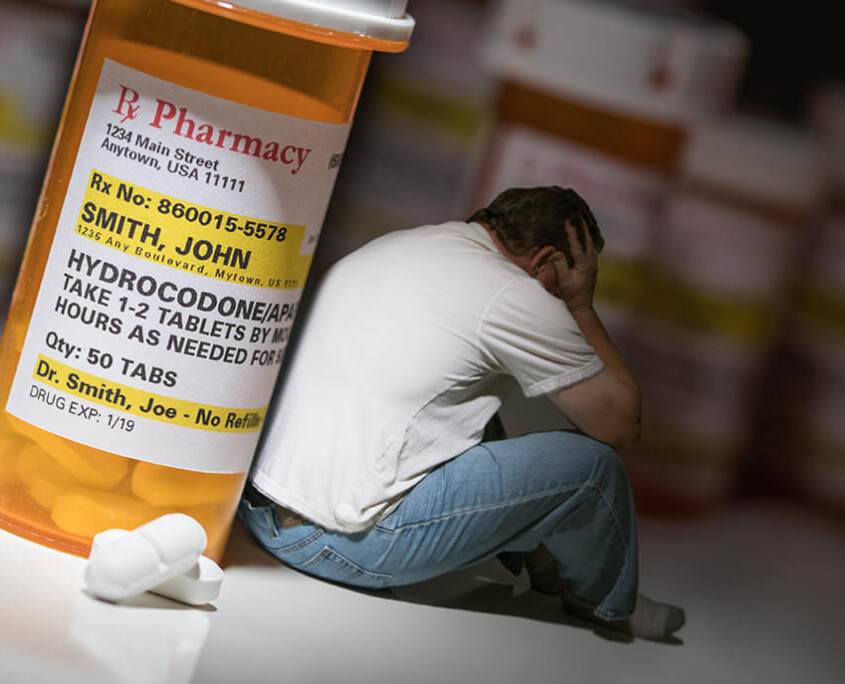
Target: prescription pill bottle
419 119
38 43
598 96
811 396
729 241
177 222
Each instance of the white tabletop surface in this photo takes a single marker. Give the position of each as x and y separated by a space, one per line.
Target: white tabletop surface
763 586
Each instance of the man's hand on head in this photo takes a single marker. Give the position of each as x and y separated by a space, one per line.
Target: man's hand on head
576 282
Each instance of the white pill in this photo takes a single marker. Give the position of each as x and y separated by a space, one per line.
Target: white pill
124 565
175 536
106 537
196 587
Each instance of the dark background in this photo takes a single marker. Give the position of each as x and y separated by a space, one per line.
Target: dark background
795 46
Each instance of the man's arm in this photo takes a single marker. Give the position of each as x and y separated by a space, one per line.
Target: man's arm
607 406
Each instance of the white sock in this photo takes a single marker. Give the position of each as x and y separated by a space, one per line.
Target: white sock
653 619
650 619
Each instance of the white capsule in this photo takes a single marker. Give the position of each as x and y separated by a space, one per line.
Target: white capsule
124 565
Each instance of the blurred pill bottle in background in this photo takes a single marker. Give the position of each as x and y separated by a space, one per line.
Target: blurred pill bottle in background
810 399
38 44
728 248
598 96
409 156
176 226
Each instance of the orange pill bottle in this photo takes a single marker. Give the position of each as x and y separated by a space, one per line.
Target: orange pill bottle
185 195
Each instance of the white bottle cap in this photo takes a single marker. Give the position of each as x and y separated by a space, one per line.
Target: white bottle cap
827 116
123 564
379 19
667 66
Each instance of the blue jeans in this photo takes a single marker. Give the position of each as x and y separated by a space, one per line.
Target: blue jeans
560 489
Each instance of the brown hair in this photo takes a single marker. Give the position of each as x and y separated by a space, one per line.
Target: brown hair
527 219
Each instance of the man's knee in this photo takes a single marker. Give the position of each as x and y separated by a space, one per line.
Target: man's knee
566 457
570 442
610 475
572 451
606 455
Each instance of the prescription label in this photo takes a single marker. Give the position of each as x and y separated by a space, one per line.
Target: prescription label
175 273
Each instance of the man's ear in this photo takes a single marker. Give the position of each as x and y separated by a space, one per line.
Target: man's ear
539 259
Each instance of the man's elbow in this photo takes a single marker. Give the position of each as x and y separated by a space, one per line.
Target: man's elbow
604 409
624 425
622 435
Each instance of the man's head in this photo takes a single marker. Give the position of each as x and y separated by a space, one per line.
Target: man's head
528 219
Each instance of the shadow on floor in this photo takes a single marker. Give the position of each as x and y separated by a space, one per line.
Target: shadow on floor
489 588
243 550
484 588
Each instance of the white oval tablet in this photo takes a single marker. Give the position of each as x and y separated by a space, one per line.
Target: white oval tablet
128 564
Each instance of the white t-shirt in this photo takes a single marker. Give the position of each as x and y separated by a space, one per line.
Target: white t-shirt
411 345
